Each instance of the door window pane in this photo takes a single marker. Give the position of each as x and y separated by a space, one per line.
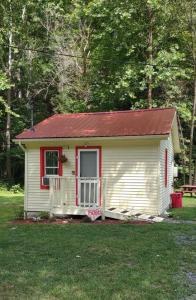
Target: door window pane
88 164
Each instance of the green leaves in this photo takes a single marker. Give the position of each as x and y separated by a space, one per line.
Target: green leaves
4 82
5 85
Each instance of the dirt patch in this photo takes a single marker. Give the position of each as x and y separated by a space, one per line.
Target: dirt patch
185 239
192 297
192 277
130 264
79 221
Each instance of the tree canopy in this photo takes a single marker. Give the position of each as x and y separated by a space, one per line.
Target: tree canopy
94 55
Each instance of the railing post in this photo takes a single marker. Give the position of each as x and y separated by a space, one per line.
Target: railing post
62 190
51 195
103 190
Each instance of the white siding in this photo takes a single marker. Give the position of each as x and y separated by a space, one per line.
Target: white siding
132 170
37 199
132 174
166 191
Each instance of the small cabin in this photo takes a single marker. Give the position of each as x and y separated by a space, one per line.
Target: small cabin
120 160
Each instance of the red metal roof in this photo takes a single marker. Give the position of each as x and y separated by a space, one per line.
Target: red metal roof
103 124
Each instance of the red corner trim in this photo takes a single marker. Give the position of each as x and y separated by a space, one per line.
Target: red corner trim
166 167
100 168
42 164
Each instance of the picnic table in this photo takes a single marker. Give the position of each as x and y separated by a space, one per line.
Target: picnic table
188 189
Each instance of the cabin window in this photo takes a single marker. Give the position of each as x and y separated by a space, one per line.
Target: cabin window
50 165
51 162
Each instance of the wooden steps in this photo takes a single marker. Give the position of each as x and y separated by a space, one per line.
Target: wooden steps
112 212
126 214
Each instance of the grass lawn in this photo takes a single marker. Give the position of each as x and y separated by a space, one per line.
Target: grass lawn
188 212
85 261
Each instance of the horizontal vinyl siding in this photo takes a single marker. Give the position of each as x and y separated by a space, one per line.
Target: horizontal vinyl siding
132 177
131 172
166 191
37 199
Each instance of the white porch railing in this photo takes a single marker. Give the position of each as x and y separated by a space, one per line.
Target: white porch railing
81 192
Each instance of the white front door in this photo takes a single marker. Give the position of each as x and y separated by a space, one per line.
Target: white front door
88 177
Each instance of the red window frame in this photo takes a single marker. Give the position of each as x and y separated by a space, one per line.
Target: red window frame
166 167
99 148
42 164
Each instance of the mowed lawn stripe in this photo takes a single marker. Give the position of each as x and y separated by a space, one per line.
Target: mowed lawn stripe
85 261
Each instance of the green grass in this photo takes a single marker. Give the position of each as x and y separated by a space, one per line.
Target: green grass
188 211
9 205
115 261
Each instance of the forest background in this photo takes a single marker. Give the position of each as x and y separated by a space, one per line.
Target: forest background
98 55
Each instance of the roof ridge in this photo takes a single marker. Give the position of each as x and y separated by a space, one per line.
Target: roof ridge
115 112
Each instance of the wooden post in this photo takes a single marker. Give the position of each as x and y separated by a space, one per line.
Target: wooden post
103 186
51 193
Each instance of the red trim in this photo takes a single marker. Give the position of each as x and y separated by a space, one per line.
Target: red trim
166 167
42 164
100 167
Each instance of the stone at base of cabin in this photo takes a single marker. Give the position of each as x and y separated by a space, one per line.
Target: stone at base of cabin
32 214
65 221
36 219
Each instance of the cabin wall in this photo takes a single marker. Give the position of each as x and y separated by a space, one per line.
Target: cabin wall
132 174
166 191
131 169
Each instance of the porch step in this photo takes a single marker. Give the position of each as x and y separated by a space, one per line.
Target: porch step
111 212
125 214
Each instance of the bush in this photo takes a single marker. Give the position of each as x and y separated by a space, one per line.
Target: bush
44 215
19 214
16 189
3 186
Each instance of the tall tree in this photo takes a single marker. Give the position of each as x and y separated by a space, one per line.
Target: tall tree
186 12
9 95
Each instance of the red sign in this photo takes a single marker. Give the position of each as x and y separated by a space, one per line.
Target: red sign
94 213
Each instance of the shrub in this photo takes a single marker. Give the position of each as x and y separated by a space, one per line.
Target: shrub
44 215
3 186
19 214
16 189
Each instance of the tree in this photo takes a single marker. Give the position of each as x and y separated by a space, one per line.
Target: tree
93 55
187 24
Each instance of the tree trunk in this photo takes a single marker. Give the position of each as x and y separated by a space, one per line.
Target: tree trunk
192 133
8 116
8 140
150 53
